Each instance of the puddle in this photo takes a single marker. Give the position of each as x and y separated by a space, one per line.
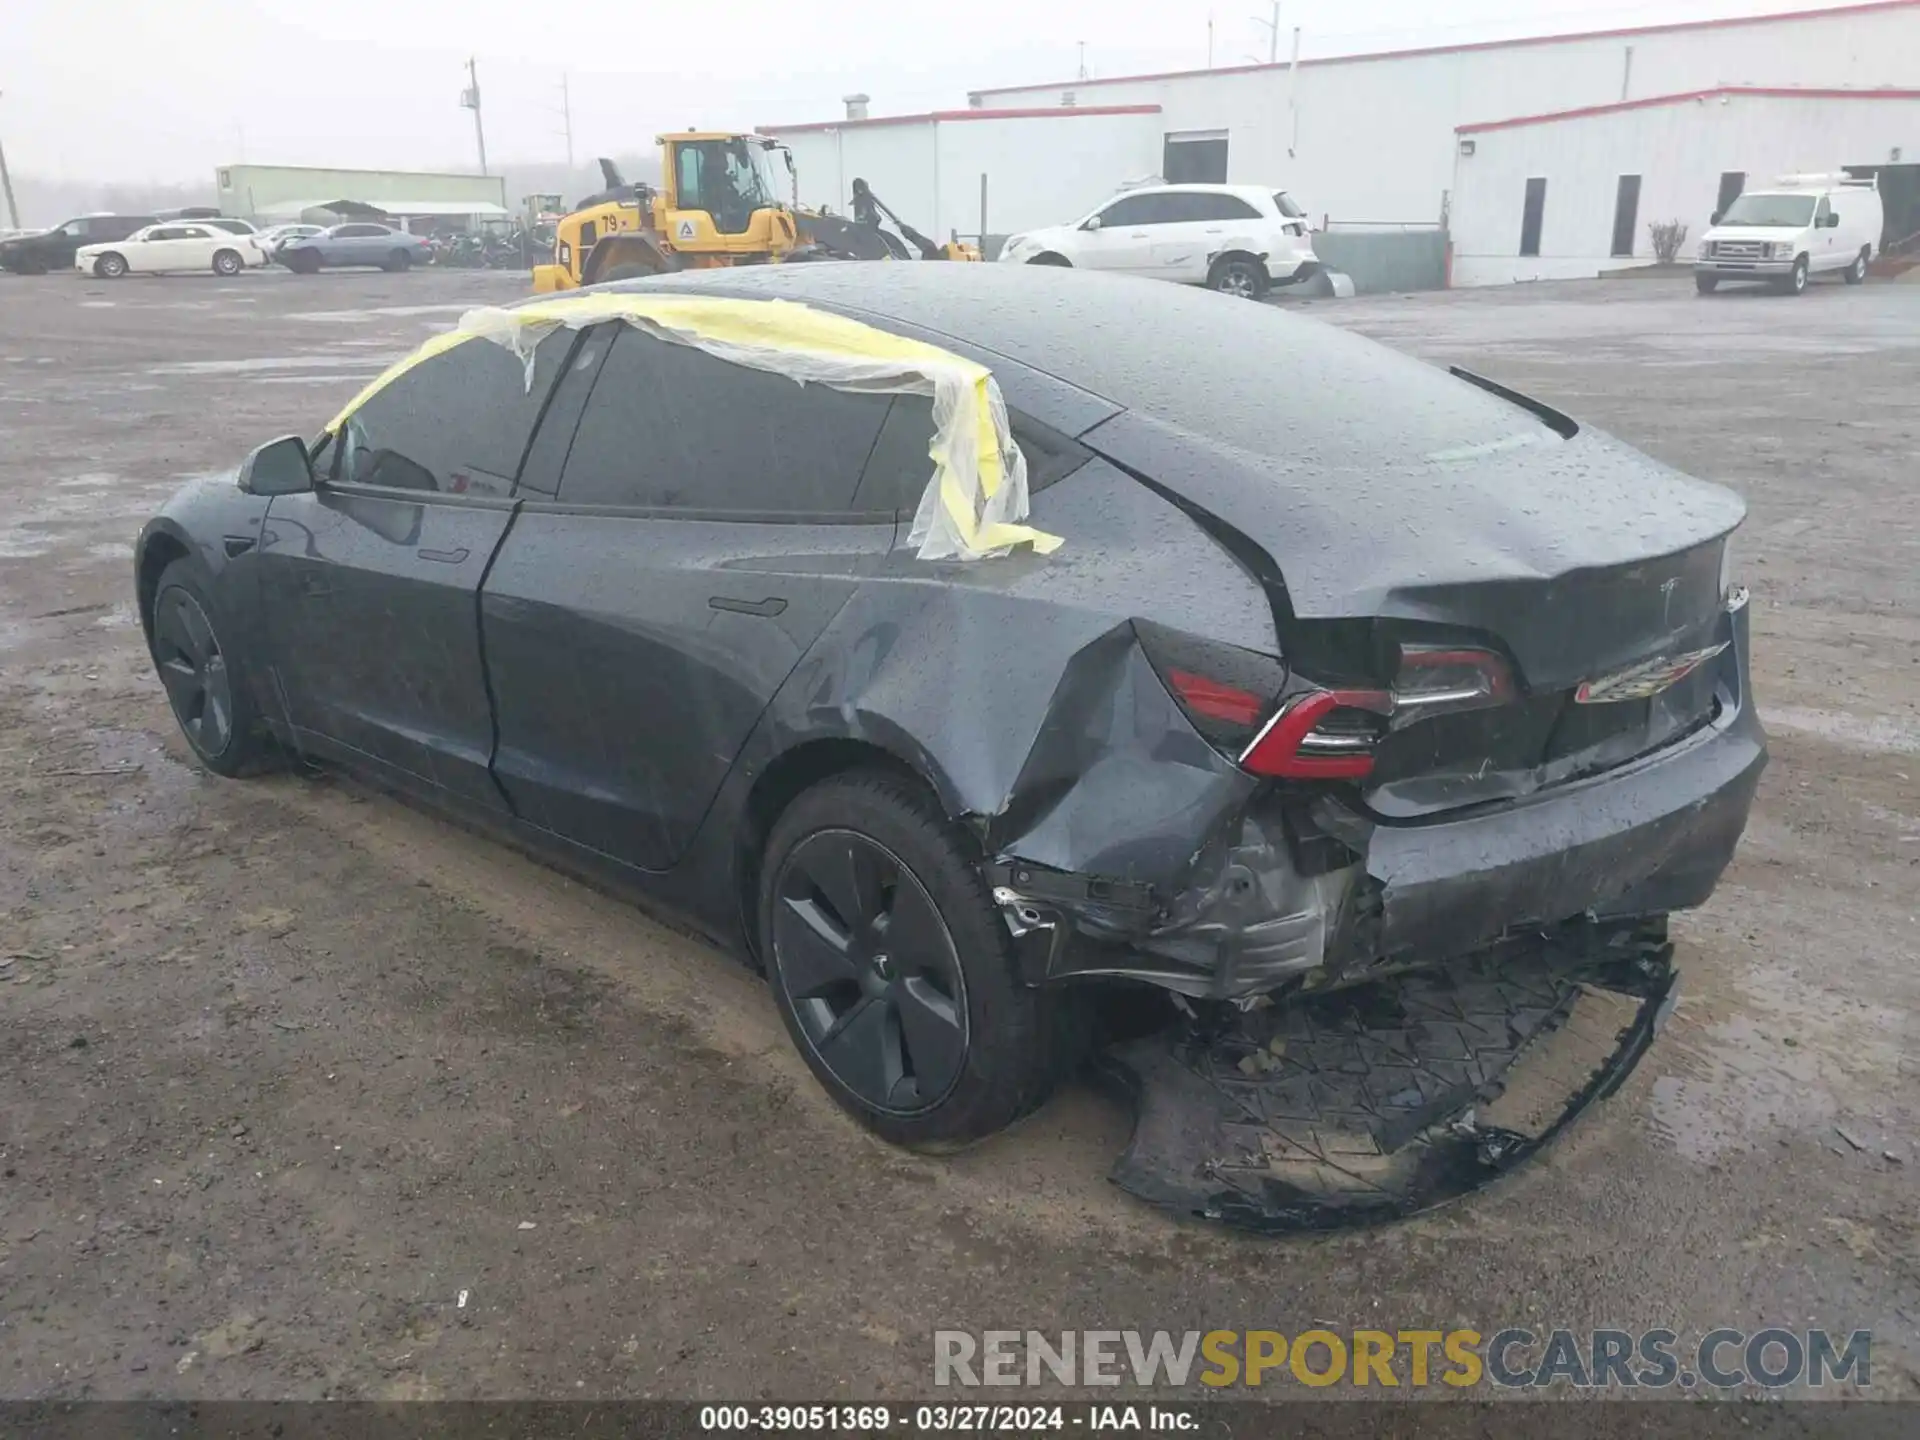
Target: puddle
91 480
354 317
260 365
99 304
1856 732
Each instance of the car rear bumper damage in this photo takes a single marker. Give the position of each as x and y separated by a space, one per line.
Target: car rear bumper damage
1289 886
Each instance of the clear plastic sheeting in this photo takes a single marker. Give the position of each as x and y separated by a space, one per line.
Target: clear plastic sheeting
975 502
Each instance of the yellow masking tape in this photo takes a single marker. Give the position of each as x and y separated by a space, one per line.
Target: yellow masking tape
779 326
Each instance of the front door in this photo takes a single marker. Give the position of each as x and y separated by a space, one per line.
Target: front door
371 581
638 624
1124 241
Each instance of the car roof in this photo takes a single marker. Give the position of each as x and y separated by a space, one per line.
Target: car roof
1245 192
1235 372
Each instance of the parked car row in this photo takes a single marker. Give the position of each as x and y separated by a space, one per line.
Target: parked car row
112 246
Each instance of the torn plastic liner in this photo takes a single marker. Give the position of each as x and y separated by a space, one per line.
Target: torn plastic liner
975 501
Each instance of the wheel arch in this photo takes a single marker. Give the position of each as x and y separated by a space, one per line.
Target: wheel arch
1232 253
1051 257
783 780
159 549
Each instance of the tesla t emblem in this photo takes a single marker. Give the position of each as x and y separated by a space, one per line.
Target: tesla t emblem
1645 680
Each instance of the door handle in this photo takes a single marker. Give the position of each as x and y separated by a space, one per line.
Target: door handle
236 545
444 557
766 609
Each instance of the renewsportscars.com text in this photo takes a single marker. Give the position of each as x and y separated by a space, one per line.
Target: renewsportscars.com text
1511 1358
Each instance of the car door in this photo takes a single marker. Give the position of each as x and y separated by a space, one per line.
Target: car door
1823 252
194 248
1124 240
162 248
371 581
638 622
1193 227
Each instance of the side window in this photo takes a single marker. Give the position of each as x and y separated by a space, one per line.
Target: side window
165 232
190 232
1132 210
1821 211
669 427
902 463
1215 207
456 423
574 365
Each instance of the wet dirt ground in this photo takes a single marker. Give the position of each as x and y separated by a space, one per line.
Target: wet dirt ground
304 1093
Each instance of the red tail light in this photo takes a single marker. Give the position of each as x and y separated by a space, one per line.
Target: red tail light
1320 735
1248 707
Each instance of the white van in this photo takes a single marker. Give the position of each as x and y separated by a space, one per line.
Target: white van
1798 227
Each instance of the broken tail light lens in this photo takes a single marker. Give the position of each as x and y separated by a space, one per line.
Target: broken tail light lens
1245 704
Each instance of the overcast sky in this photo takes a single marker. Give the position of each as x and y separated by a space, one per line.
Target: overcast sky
152 90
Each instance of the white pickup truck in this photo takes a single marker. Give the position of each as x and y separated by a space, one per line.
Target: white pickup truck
1796 228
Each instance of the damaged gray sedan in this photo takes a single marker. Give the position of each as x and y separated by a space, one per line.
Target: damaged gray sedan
1345 666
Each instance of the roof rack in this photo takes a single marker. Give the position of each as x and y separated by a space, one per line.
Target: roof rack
1820 180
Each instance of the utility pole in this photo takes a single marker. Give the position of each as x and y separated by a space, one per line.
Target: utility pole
1273 33
470 100
6 184
566 116
1209 40
1083 60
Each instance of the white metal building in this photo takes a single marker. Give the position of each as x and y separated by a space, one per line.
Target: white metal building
1371 138
928 167
1578 189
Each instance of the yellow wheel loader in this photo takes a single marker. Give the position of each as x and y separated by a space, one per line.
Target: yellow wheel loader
718 203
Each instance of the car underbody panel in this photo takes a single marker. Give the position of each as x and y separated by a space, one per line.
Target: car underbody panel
1377 1102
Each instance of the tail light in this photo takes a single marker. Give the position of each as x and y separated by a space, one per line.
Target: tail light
1288 727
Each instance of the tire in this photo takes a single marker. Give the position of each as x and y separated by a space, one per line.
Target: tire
931 1046
398 261
1706 284
1856 273
1796 283
205 678
228 262
110 266
1051 259
302 263
1242 279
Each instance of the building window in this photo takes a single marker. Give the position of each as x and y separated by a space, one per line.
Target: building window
1194 157
1531 217
1626 214
1732 182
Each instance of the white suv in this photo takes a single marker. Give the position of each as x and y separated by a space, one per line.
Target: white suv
1237 239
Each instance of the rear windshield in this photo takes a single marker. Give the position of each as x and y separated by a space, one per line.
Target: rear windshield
1289 206
1792 210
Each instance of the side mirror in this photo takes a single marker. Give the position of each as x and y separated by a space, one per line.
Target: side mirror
1714 219
1092 223
279 467
1833 219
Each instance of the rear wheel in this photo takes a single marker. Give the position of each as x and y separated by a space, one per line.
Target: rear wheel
1242 279
110 266
399 260
228 262
1706 284
893 969
204 678
1857 272
302 262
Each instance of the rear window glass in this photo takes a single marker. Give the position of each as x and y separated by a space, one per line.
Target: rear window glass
1289 207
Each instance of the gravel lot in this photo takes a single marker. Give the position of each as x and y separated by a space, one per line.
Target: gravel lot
291 1068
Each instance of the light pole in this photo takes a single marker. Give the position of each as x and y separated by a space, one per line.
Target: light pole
470 100
1273 33
6 184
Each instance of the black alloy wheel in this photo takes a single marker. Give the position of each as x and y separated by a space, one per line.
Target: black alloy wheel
871 972
194 670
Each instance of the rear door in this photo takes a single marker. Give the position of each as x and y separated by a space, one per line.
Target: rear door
663 578
194 248
1201 226
371 582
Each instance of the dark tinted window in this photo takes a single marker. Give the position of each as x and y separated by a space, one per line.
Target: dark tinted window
456 423
1135 210
901 464
1289 207
1209 207
548 454
669 427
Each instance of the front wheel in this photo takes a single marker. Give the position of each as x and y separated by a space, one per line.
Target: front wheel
204 677
1242 279
1857 272
1051 259
893 969
1706 284
1796 282
110 266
